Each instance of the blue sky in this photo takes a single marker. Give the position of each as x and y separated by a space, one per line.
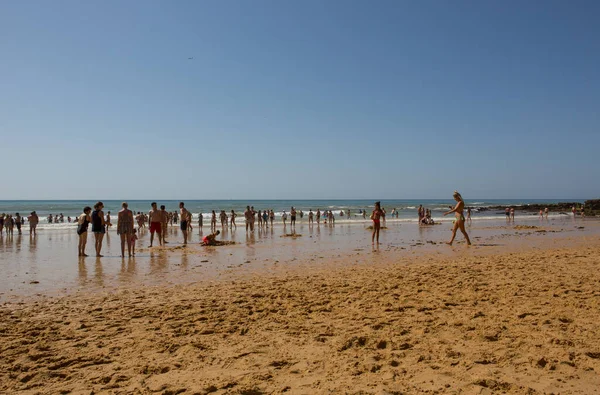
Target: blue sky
299 99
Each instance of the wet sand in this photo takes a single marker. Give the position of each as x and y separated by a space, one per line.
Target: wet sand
517 313
47 265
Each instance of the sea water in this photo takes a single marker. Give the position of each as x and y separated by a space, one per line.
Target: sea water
407 208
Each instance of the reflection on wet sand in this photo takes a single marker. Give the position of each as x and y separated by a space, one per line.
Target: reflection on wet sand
50 258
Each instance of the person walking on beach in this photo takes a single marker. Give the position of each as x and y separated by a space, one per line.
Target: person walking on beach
155 220
200 221
459 223
376 216
512 214
186 218
421 213
546 212
125 228
310 217
33 221
469 215
284 218
98 227
82 229
271 217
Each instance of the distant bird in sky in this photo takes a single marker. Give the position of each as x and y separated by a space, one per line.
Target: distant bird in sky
190 58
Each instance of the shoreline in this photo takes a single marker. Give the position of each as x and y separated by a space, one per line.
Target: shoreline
47 265
470 322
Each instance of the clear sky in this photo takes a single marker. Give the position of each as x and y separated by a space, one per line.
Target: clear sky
299 99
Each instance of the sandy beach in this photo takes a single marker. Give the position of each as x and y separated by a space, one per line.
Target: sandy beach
460 320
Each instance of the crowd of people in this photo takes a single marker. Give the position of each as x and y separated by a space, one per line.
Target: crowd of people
158 219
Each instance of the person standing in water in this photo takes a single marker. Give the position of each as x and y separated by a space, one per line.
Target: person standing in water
18 222
33 221
247 217
164 222
125 228
186 218
155 220
98 226
459 223
82 229
376 216
469 215
232 219
293 217
213 221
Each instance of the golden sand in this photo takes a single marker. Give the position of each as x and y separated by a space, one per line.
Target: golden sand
524 322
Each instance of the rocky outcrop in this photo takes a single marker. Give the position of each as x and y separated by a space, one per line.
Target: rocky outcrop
553 207
592 207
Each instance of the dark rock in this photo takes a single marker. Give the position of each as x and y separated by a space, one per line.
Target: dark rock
592 207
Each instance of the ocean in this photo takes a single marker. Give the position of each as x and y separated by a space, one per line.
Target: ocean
407 208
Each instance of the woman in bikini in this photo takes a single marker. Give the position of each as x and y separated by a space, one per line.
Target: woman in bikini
125 228
376 217
233 224
459 223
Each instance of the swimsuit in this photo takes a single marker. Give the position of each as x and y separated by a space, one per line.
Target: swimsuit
124 226
184 225
83 227
97 222
155 227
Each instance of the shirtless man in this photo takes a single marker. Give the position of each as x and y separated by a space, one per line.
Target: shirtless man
186 218
253 218
164 221
318 216
293 217
33 222
310 217
154 222
546 212
248 217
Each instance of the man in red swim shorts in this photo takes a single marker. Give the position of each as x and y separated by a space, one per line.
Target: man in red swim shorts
155 218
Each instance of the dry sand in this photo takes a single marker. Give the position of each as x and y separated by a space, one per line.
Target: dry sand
524 322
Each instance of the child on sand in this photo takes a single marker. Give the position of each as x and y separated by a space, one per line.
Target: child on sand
376 217
210 239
